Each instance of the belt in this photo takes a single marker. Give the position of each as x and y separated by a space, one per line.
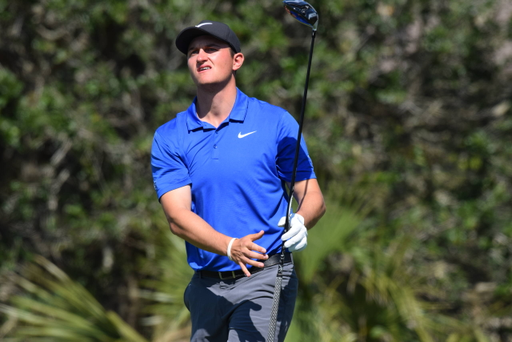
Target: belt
271 261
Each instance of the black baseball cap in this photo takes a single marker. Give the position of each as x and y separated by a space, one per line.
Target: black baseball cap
207 27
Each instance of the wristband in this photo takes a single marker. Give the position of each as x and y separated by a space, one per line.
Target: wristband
229 248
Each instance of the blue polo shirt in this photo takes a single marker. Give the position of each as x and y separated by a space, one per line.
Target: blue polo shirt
237 171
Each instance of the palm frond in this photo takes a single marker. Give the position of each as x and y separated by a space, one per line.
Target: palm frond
53 307
329 236
376 296
167 314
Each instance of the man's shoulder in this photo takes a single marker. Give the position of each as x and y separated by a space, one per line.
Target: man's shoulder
264 107
176 123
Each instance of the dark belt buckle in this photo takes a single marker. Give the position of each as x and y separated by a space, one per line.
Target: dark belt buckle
233 276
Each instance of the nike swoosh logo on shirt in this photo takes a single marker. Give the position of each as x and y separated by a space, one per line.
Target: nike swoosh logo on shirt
240 135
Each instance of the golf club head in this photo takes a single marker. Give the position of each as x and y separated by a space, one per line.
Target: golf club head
303 12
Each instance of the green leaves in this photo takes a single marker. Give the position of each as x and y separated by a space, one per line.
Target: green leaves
60 309
10 90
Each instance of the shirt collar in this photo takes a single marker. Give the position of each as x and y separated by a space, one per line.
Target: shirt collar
238 113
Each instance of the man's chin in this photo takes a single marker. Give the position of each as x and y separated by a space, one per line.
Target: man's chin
211 85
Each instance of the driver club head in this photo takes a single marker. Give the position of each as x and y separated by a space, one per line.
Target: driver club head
303 12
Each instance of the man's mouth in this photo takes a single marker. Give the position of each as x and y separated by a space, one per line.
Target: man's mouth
204 68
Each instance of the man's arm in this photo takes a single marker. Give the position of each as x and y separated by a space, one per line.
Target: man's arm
308 195
192 228
311 209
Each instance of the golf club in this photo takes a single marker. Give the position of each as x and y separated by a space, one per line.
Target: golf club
303 12
306 14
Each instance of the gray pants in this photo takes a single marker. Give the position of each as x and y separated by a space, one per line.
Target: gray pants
239 310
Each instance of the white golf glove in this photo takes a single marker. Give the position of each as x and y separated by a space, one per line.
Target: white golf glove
296 238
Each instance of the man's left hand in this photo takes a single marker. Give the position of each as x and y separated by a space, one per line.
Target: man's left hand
296 238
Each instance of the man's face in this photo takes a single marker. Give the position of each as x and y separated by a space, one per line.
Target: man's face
210 61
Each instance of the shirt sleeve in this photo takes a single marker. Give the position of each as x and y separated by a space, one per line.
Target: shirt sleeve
167 165
287 141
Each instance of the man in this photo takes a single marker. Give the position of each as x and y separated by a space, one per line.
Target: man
220 170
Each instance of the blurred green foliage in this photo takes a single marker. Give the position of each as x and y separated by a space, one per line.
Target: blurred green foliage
408 123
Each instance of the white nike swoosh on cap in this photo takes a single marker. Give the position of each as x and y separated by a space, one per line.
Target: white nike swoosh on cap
199 25
240 135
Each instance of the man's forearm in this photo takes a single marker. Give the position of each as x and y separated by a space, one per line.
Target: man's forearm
311 201
312 208
193 229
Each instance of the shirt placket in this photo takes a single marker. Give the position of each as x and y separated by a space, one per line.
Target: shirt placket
217 136
216 139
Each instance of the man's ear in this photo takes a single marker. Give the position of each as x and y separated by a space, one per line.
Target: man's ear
238 60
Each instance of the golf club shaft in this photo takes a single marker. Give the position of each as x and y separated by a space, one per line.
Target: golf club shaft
299 135
277 290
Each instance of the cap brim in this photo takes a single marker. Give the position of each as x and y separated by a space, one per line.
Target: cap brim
186 36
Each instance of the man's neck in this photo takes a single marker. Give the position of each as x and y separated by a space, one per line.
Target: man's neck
214 105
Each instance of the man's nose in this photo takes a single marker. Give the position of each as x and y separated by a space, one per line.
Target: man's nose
202 55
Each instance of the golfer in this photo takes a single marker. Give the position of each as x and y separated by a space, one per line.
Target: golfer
220 171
